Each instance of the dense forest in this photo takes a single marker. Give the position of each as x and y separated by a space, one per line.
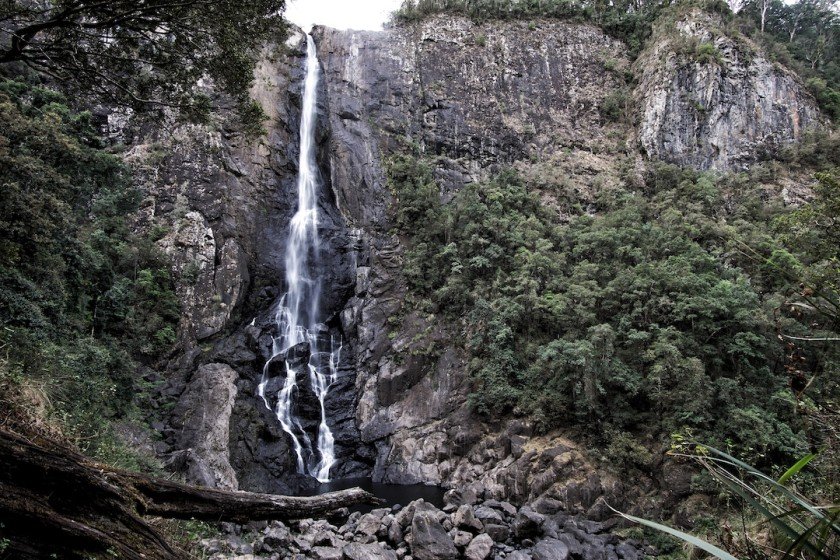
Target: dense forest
678 305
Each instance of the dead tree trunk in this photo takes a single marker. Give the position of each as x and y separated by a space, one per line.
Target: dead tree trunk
55 500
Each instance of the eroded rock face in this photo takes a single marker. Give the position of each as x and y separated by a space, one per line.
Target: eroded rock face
719 113
203 418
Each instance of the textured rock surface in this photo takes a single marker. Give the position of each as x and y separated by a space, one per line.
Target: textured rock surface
203 415
717 114
561 538
473 99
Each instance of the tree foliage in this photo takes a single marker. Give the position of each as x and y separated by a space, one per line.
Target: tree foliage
140 52
82 297
642 317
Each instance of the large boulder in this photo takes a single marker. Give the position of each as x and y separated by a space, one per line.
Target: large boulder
429 540
479 548
550 549
202 417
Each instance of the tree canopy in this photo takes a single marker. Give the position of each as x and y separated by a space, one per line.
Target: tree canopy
140 52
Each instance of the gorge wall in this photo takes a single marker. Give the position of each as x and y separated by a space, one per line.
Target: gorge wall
473 99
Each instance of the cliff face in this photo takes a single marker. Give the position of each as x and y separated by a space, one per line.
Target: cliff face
474 99
711 102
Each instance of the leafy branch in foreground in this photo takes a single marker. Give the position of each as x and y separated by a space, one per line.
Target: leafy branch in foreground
140 52
801 528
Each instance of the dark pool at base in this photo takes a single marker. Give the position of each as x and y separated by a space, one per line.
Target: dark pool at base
391 493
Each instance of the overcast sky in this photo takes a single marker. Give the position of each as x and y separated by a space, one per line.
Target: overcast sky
341 14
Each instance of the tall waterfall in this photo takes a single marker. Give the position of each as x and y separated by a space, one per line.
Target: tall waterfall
297 314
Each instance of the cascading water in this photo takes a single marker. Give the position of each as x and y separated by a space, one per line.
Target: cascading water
297 312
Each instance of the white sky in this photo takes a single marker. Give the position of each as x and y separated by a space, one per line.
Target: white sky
341 14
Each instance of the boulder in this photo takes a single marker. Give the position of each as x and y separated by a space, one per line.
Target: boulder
359 551
479 548
527 523
429 540
326 553
464 518
550 549
499 532
203 417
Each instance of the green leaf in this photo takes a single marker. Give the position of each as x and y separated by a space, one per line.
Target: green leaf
690 539
796 468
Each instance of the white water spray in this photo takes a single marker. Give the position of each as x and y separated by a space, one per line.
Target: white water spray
297 313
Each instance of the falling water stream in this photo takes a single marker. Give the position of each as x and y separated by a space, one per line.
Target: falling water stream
297 314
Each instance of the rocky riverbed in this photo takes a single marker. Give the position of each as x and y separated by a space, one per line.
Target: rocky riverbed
467 527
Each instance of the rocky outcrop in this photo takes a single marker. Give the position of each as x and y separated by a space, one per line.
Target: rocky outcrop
202 419
472 99
713 102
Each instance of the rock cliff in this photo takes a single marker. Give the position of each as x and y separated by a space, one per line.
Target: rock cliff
473 99
713 102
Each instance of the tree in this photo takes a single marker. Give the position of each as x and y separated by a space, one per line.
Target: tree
140 52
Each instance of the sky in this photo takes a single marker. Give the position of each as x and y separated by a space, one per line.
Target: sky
341 14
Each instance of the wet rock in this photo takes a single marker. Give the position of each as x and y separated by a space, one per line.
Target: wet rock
479 548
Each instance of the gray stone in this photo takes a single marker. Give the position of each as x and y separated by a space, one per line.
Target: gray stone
358 551
498 532
395 532
429 540
488 515
479 548
277 536
550 549
464 518
368 524
326 553
461 538
203 417
527 523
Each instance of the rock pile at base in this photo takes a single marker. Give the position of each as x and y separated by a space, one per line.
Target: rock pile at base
466 528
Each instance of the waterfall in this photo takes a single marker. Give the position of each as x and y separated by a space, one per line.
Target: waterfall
297 314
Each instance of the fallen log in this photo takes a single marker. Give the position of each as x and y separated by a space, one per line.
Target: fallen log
54 500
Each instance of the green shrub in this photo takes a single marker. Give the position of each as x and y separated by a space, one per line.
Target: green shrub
631 319
706 53
82 297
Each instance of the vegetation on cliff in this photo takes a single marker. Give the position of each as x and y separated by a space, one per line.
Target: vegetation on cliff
671 306
82 296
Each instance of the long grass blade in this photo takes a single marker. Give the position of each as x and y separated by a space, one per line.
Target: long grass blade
789 532
690 539
800 464
784 490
